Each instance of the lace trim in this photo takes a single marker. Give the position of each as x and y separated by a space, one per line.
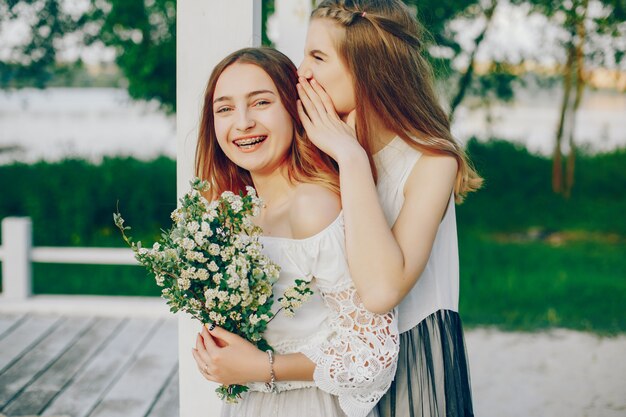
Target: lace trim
358 362
281 386
296 345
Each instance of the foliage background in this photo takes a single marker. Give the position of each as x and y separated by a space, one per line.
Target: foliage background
531 257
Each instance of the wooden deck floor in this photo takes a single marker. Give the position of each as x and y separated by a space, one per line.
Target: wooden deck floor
57 365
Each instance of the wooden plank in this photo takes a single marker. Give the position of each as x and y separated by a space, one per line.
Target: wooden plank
134 393
35 397
92 382
86 305
30 365
28 332
166 404
8 322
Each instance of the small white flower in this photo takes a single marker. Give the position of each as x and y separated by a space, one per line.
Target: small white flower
202 274
188 244
250 191
235 299
233 281
205 228
217 318
160 279
228 195
212 266
184 283
198 237
237 205
214 249
195 304
193 227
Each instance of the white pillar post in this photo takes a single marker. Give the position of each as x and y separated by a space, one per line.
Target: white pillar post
16 267
206 32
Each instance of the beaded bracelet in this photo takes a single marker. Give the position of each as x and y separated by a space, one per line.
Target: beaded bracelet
272 384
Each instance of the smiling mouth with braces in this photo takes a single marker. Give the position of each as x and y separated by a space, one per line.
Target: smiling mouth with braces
250 141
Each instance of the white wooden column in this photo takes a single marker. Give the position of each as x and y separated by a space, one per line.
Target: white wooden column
207 31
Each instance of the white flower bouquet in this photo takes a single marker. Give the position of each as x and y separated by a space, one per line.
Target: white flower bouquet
210 265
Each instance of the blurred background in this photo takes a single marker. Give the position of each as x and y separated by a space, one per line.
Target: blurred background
535 90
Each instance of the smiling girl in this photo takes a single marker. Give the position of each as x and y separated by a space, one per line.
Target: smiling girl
334 358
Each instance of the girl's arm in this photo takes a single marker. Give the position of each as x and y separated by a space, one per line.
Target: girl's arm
385 264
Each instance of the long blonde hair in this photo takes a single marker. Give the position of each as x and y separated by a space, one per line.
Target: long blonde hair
382 49
305 162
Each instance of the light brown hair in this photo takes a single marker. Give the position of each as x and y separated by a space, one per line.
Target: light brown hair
382 49
305 162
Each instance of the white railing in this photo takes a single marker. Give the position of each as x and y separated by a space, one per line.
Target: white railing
17 254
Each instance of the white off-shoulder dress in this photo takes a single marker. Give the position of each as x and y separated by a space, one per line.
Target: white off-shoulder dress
355 351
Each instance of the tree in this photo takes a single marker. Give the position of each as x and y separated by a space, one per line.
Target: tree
33 63
444 51
591 39
143 34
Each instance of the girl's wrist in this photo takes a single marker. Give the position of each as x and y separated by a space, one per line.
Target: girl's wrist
263 369
351 157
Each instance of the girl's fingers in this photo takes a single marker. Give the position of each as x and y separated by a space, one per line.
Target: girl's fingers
313 96
200 344
308 105
325 99
202 366
200 361
221 337
207 341
304 118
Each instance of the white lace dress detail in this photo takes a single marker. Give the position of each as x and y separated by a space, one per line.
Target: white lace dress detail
355 351
358 362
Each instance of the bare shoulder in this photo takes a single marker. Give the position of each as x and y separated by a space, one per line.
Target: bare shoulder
313 208
437 170
437 164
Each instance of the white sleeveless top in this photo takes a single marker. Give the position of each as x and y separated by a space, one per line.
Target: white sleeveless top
355 351
438 286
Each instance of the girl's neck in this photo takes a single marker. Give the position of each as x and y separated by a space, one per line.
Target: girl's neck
273 188
380 134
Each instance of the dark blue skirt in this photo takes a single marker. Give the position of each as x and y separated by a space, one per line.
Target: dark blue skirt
433 376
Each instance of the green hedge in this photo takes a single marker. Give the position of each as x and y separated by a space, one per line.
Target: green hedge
71 202
518 194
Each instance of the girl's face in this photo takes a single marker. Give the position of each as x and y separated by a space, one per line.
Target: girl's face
323 63
253 128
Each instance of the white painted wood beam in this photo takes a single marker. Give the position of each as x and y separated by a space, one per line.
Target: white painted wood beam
206 32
